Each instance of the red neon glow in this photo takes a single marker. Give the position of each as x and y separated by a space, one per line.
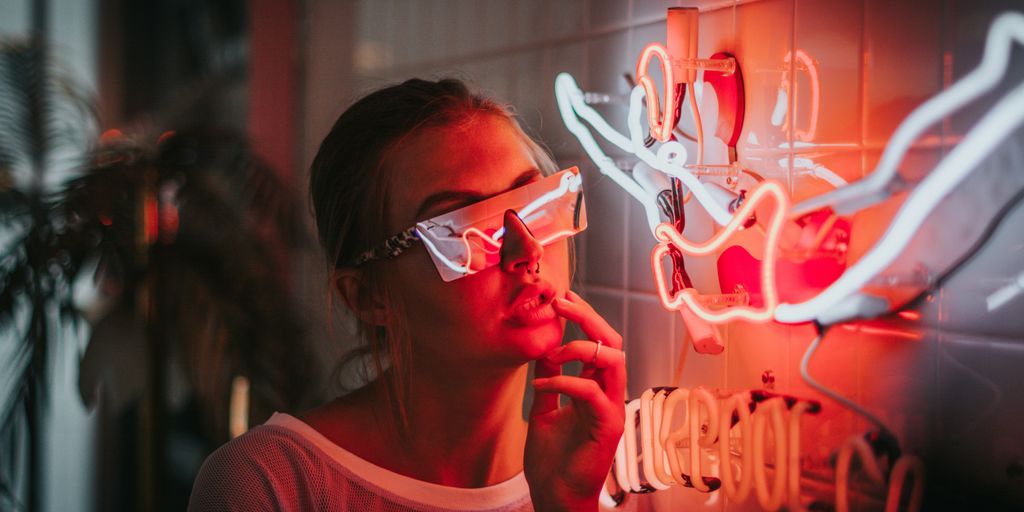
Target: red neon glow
164 136
812 73
689 297
662 122
910 315
111 135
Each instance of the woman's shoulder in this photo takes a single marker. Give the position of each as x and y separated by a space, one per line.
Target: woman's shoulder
256 470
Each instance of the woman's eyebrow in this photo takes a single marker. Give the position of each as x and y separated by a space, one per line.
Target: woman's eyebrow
468 196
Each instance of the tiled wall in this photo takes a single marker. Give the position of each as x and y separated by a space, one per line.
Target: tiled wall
953 390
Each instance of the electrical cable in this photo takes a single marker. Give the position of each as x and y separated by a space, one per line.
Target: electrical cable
850 404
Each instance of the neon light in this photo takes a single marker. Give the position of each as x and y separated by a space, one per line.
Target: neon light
647 440
689 297
812 72
793 478
855 445
661 468
661 122
980 140
904 465
697 397
669 439
1005 294
770 499
1001 120
1005 29
700 192
570 103
737 492
910 315
632 473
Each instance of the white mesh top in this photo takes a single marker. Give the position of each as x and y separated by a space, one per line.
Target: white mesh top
286 465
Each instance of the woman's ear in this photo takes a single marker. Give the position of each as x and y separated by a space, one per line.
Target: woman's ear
351 285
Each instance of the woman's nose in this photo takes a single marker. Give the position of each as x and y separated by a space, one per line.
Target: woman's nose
520 251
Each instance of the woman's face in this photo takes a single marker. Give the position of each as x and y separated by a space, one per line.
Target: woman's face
500 316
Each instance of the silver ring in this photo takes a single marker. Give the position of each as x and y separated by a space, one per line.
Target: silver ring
596 352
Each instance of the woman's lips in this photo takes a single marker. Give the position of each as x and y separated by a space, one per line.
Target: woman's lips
533 306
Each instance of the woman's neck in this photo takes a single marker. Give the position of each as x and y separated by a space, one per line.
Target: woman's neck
469 426
465 430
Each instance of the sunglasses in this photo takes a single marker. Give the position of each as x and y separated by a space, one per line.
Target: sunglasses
468 240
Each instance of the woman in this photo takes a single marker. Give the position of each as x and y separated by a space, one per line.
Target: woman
442 427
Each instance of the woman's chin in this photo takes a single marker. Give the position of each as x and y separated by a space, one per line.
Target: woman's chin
538 339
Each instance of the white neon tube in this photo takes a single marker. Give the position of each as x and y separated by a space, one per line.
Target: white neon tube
700 396
669 438
632 473
1005 29
620 465
736 492
855 445
570 102
793 478
770 499
650 458
904 465
999 122
661 468
636 134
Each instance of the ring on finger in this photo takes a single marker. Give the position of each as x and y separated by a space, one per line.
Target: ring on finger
596 352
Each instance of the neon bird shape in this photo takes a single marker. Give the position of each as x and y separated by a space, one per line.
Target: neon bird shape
669 238
843 299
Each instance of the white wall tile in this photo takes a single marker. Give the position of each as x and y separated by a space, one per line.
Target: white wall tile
647 339
604 240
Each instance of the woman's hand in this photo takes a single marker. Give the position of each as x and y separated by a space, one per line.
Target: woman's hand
569 450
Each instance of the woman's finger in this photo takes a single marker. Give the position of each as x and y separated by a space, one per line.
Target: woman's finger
608 368
585 392
589 352
575 309
545 402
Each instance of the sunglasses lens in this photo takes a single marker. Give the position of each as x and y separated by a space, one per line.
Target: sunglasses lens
469 239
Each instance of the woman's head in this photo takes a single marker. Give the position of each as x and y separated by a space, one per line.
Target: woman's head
413 151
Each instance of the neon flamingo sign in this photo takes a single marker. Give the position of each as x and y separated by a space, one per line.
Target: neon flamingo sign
843 299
